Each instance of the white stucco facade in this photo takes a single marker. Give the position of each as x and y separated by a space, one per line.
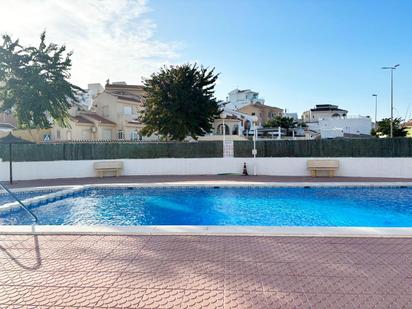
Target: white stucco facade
358 125
239 98
337 127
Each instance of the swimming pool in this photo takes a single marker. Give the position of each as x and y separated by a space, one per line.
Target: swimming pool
240 206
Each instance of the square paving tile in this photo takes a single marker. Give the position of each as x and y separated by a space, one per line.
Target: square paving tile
243 283
121 298
76 271
134 280
199 299
286 284
162 299
280 300
208 281
245 300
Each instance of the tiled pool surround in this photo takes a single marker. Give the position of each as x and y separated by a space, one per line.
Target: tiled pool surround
84 271
91 267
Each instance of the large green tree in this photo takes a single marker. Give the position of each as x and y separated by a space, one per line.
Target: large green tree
283 122
180 102
34 83
384 128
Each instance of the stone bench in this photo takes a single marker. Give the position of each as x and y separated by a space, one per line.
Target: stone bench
330 166
108 166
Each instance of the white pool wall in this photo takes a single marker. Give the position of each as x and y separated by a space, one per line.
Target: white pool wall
349 167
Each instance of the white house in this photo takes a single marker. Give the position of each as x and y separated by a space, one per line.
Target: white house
94 89
339 127
330 121
239 98
323 111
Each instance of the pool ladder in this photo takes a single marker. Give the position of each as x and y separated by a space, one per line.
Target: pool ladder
34 218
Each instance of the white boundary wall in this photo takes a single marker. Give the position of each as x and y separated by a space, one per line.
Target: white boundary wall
357 167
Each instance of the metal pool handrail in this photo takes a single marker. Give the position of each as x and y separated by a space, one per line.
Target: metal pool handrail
34 218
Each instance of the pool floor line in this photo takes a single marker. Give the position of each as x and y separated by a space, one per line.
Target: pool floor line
205 230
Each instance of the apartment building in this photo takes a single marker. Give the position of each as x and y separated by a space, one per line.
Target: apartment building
113 114
121 104
323 111
263 112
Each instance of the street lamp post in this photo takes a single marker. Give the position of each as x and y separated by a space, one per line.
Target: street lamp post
254 151
376 110
391 68
223 117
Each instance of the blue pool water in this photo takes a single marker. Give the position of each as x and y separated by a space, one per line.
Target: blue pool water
374 207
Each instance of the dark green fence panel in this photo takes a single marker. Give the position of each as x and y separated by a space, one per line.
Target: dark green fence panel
102 151
374 147
244 148
396 147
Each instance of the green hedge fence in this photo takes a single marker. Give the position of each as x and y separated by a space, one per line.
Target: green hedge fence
396 147
101 151
373 147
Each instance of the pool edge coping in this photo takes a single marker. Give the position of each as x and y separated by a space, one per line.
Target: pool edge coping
205 230
214 183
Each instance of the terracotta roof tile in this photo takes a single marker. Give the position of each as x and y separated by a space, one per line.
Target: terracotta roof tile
99 118
128 98
81 119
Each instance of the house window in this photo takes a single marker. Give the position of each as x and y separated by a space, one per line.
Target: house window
69 135
86 134
58 134
127 110
105 111
107 134
222 131
235 130
134 136
46 137
120 134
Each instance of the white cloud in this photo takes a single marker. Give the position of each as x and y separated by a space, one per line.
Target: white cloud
110 39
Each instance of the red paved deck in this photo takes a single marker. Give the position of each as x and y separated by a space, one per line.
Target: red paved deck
204 272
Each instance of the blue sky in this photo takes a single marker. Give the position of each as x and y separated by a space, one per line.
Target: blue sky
295 53
298 53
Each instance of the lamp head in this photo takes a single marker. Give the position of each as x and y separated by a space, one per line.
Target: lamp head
391 68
